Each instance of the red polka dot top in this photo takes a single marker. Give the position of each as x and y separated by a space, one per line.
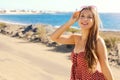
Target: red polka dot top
79 70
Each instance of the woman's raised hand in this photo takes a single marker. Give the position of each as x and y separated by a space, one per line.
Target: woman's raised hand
74 17
56 36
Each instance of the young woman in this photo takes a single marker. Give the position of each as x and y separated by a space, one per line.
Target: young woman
89 56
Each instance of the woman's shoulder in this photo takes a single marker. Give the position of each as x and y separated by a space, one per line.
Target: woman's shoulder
100 41
77 35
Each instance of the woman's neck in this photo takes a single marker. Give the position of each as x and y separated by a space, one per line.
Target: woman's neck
85 34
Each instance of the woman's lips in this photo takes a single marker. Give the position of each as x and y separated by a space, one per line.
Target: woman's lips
84 24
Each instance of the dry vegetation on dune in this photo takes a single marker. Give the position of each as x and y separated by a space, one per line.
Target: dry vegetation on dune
112 39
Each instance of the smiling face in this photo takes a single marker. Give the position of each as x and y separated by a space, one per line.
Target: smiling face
86 19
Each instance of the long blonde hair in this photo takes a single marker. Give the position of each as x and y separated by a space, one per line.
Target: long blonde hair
91 44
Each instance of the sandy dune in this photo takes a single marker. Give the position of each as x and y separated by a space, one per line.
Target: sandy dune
22 60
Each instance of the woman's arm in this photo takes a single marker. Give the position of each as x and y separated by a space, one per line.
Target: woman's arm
103 59
57 35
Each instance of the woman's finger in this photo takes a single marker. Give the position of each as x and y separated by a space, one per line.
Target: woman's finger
76 14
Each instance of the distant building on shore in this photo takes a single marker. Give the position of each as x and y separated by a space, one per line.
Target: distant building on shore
3 11
23 11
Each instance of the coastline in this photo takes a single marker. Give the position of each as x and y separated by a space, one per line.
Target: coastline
103 30
14 23
17 23
110 21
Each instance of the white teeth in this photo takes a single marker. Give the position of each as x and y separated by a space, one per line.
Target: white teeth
85 23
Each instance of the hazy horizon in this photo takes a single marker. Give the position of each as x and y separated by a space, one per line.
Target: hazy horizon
104 6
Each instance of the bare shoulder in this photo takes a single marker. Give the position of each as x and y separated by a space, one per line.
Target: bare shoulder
100 41
77 35
101 48
74 36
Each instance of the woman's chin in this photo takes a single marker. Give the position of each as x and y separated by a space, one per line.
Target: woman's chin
85 27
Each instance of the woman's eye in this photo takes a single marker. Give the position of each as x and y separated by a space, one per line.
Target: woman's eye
82 16
89 17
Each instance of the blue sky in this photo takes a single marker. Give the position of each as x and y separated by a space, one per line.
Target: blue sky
60 5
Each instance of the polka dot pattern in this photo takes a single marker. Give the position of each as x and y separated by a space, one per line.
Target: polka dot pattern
79 70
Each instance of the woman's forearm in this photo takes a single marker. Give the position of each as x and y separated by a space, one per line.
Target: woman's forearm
61 30
64 27
107 72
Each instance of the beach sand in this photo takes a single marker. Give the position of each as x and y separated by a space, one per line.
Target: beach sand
23 60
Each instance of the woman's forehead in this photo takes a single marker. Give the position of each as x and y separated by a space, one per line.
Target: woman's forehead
88 12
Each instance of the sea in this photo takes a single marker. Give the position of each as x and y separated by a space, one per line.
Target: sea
110 21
